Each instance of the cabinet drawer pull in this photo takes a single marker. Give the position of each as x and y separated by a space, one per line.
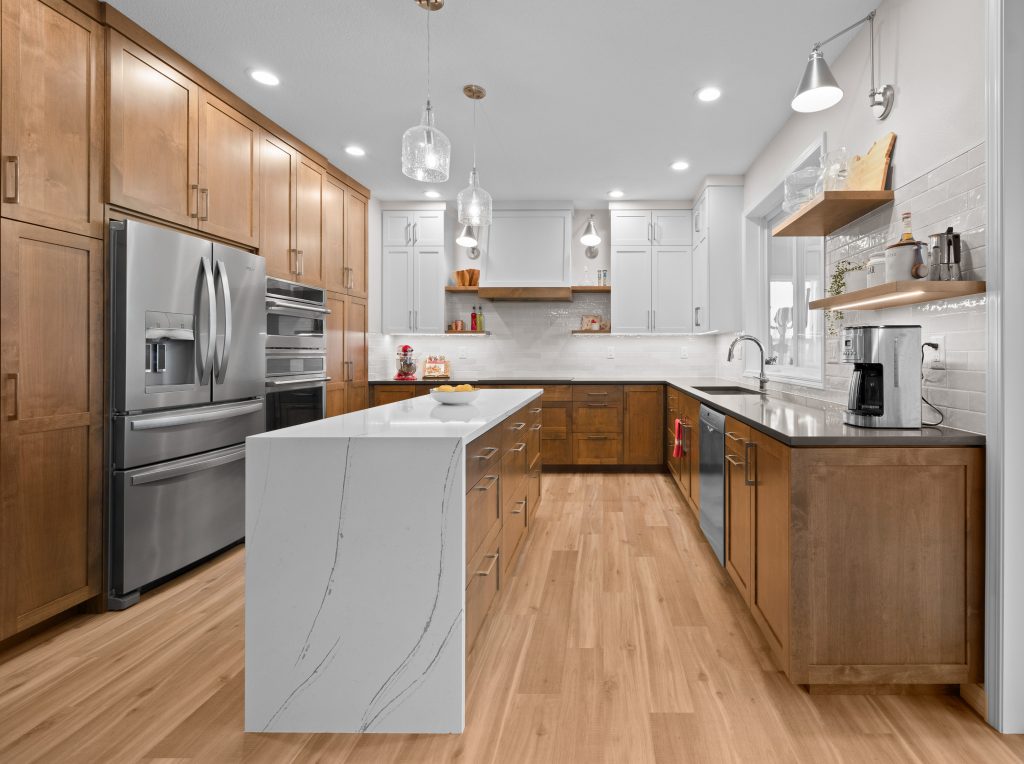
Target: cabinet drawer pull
489 486
595 437
597 405
14 398
520 503
518 426
12 183
494 561
487 453
735 461
595 394
750 476
518 448
734 436
536 427
536 410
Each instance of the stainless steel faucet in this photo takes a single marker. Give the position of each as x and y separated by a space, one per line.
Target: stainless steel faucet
762 379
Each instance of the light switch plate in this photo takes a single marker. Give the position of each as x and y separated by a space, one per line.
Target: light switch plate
462 352
684 352
936 359
611 352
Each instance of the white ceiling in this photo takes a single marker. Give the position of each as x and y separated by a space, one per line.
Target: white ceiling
582 95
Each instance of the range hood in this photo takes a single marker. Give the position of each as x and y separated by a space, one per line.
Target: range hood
528 253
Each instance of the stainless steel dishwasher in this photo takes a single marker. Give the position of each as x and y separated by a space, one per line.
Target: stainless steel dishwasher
712 479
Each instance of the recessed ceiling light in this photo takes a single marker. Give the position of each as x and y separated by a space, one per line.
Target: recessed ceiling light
432 194
355 151
264 77
616 194
709 94
680 165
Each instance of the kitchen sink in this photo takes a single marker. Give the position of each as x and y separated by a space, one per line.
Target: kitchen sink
726 390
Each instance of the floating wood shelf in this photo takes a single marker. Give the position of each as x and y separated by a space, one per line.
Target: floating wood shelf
449 331
461 289
897 293
527 294
592 289
831 210
589 331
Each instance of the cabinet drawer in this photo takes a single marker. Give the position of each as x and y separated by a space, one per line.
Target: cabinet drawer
481 589
483 456
514 429
597 418
513 522
558 392
483 512
513 470
597 449
597 393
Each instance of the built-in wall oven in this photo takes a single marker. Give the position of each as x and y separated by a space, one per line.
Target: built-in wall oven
296 358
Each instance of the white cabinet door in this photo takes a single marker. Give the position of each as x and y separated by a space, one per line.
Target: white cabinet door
428 289
396 290
672 293
701 286
397 229
631 289
700 221
672 228
428 229
631 228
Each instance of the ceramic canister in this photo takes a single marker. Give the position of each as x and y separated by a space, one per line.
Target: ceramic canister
876 271
900 259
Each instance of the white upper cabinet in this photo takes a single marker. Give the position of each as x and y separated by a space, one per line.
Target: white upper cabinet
631 289
413 272
717 285
631 228
671 294
700 228
671 228
528 248
701 284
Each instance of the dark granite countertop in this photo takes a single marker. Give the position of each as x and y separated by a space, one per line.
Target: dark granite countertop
792 419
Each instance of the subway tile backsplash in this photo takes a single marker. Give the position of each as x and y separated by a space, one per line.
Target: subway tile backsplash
952 194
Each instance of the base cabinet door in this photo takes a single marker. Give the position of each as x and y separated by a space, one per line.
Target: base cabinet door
356 365
383 394
739 505
154 135
52 141
336 331
51 430
770 592
482 584
643 424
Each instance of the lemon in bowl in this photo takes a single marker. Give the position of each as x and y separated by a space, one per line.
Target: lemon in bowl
454 395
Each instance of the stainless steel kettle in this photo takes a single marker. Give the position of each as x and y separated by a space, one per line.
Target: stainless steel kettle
944 256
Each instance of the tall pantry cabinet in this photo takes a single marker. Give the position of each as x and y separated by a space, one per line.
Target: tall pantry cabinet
97 112
51 311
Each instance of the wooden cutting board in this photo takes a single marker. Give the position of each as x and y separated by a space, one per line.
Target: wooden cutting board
869 172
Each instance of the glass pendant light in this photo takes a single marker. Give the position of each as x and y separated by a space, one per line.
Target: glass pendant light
426 151
473 202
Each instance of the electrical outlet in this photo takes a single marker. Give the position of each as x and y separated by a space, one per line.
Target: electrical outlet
463 352
936 359
833 351
611 352
684 352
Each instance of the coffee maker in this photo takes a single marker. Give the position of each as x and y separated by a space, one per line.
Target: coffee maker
885 390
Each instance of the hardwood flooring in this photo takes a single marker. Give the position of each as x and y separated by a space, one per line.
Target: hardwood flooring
618 638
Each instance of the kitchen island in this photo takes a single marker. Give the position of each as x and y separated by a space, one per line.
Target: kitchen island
358 543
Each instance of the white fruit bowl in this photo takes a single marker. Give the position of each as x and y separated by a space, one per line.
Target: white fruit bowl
453 398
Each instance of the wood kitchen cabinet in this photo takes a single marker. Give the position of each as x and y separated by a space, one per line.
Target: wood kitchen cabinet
229 172
51 362
556 433
356 252
643 424
278 163
685 468
344 240
384 394
769 590
348 389
739 506
51 136
336 367
309 199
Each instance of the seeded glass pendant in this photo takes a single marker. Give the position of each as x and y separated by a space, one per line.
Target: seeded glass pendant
426 151
474 203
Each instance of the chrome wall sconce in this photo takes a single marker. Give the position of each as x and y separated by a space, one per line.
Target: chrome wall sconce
590 238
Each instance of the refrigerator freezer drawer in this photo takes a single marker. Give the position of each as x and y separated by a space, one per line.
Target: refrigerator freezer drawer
172 514
156 437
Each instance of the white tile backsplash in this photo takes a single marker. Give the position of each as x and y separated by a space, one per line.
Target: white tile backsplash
952 194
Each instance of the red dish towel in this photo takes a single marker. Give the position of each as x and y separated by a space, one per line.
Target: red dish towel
677 449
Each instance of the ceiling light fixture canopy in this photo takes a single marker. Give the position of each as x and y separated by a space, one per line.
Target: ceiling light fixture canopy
474 204
818 89
426 151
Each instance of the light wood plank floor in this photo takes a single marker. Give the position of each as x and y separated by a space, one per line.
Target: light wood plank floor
617 639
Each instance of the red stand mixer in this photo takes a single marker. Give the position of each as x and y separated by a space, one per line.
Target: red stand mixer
405 362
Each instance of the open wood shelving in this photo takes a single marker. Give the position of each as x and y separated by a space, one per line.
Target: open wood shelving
831 210
897 293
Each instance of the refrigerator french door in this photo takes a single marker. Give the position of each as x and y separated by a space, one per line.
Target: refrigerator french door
187 375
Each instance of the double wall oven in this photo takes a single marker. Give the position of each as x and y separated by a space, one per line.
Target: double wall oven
296 358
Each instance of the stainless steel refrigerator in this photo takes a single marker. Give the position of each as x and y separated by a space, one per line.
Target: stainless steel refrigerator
187 381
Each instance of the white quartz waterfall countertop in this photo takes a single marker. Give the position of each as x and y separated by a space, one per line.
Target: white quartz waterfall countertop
421 417
355 568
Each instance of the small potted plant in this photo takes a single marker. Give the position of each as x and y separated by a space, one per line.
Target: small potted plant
838 286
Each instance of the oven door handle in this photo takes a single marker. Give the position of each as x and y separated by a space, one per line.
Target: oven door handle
291 308
196 417
173 471
306 381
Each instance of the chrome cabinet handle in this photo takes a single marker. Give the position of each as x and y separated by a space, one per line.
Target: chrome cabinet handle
519 447
735 461
12 181
733 436
415 232
596 405
536 427
648 320
595 437
518 426
748 452
696 316
650 233
538 410
492 451
521 503
489 486
595 395
654 233
494 561
654 320
14 410
408 233
204 194
195 198
302 261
